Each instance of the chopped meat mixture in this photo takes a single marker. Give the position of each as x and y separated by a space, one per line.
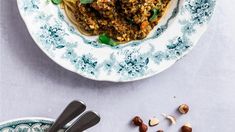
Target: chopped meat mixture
122 20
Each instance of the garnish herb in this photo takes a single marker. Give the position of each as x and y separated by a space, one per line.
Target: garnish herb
103 38
86 1
155 13
56 2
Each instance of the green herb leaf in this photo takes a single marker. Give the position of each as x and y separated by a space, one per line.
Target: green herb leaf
103 38
86 1
155 13
56 2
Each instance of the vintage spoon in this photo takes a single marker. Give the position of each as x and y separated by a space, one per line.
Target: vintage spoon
74 109
84 122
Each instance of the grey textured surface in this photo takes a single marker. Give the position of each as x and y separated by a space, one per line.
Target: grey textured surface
33 85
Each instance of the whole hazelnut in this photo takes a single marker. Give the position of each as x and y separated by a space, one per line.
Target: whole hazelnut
143 128
183 109
137 120
160 131
186 128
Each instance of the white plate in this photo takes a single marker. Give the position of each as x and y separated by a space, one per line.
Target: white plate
174 37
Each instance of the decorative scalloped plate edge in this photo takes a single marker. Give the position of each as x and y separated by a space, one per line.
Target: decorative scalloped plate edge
128 63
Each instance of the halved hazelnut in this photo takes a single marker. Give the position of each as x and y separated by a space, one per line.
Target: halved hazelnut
183 109
153 122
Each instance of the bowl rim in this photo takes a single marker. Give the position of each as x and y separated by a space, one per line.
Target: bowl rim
21 119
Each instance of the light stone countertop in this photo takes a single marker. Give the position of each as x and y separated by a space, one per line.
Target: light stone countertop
33 85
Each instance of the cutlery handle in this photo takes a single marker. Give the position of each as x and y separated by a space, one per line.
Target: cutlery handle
74 109
86 121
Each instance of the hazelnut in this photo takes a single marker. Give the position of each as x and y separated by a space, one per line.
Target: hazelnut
143 128
186 128
153 122
160 131
183 109
137 120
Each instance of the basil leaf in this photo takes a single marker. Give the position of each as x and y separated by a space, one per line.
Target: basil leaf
86 1
103 38
56 2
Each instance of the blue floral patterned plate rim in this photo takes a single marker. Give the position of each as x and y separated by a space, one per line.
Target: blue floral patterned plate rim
177 33
30 124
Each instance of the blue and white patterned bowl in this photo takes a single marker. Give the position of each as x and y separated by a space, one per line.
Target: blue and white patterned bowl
175 36
33 124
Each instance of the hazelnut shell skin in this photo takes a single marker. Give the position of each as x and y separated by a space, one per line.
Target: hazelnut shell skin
143 128
137 121
186 129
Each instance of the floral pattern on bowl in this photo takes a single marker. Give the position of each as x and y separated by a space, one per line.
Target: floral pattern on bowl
170 41
27 125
